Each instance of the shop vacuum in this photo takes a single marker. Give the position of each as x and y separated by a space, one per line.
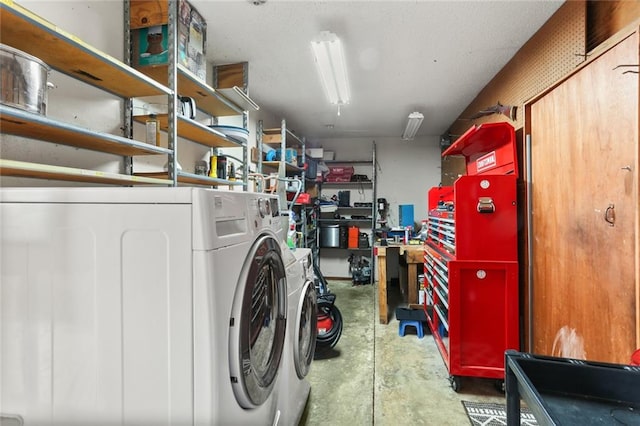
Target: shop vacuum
360 269
329 316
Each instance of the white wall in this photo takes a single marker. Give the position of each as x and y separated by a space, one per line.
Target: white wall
406 171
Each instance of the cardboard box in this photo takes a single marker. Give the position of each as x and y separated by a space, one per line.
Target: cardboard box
255 154
150 44
229 76
341 170
313 191
328 155
315 152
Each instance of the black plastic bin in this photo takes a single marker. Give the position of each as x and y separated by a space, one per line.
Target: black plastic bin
564 391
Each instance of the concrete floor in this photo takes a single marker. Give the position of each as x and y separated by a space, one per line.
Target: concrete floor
375 377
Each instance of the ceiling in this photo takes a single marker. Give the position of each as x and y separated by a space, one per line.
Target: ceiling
402 56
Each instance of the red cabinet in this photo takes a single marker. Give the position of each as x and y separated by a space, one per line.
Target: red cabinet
471 257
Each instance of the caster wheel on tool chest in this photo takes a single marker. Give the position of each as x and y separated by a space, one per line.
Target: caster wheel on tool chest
456 383
499 385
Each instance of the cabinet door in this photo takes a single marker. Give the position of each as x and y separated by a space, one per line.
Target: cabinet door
584 155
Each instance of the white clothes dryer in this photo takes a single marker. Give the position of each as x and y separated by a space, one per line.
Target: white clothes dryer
300 339
250 301
141 306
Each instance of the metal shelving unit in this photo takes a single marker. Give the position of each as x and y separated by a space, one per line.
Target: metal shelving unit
368 223
24 30
208 100
62 51
283 138
279 138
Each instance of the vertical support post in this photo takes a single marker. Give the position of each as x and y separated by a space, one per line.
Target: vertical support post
303 177
172 131
245 124
374 209
127 110
245 77
259 129
282 167
245 155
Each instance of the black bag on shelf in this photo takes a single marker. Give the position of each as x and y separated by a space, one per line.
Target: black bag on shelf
344 198
363 240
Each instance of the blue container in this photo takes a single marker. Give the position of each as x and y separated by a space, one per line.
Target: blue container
406 215
290 156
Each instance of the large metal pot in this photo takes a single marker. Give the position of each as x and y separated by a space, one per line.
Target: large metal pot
330 236
23 80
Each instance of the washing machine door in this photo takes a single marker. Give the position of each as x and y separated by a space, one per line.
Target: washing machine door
257 328
306 330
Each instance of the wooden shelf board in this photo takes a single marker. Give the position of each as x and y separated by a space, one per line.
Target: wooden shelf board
354 208
194 131
274 137
192 179
68 54
275 165
347 161
368 182
46 171
345 248
206 97
17 122
335 221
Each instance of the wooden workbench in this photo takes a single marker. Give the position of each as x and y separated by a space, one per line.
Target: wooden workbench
414 257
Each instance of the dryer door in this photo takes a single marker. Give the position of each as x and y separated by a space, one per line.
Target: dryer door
306 330
257 328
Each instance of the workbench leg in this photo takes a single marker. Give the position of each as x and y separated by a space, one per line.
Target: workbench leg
402 281
412 282
382 289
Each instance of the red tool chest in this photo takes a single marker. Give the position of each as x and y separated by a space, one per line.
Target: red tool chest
471 257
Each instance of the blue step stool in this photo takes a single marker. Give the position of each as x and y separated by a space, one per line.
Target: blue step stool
414 323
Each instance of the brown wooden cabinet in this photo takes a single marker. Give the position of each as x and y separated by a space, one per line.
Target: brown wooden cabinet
584 217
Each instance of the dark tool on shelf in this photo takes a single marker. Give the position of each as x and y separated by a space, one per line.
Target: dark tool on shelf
446 205
383 209
363 240
360 268
360 178
344 198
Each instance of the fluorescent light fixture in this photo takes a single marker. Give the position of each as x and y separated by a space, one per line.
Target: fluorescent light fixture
329 57
413 124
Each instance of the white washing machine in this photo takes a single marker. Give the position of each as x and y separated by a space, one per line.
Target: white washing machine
141 306
301 337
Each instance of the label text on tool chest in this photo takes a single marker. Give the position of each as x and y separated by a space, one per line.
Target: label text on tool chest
487 161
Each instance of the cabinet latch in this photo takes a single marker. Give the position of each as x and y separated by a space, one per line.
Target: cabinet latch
485 205
610 215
